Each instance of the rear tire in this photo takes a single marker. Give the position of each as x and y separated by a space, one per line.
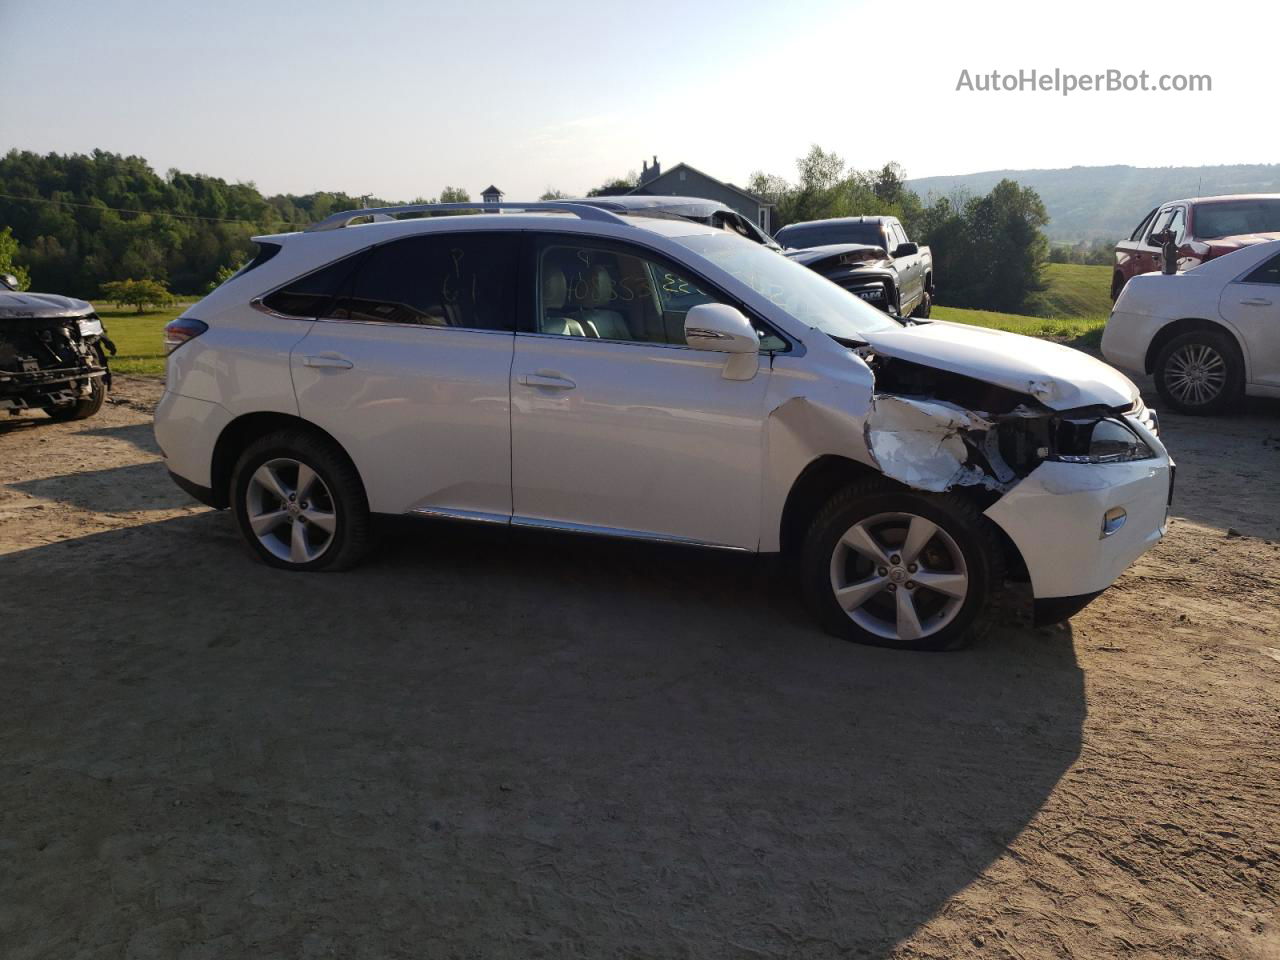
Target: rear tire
893 567
299 502
925 306
82 409
1200 373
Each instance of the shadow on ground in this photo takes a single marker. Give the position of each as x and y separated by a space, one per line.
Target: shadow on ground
139 486
487 744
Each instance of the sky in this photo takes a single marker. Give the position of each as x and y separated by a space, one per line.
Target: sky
400 98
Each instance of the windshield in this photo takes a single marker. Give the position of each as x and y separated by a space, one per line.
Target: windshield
809 297
824 234
1214 220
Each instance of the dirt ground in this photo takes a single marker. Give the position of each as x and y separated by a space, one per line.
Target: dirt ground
485 744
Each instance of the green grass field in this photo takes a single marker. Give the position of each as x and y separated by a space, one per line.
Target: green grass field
1078 301
139 338
1077 304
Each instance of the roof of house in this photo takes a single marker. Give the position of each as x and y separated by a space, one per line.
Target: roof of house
736 189
490 189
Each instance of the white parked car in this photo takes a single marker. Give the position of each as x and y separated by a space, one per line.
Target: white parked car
1208 336
571 368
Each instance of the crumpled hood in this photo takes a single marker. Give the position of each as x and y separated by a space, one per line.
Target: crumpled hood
14 304
854 253
1059 377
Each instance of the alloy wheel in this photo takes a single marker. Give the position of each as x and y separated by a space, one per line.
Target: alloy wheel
1195 374
899 576
291 510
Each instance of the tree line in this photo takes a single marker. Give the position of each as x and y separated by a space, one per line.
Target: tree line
84 220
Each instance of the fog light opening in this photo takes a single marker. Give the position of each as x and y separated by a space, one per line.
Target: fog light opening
1112 521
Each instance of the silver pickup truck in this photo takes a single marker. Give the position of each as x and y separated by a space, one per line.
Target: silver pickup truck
868 256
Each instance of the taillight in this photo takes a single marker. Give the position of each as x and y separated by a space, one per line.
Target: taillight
177 332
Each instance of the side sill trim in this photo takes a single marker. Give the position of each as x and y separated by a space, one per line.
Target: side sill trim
534 523
620 534
472 516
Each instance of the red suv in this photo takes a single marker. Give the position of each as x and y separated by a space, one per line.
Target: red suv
1204 228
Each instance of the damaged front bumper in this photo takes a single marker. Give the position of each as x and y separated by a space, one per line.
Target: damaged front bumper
38 389
1077 525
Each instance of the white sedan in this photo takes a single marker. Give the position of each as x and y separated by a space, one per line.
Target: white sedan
1208 336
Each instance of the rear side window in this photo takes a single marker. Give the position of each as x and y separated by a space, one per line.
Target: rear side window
453 280
313 295
1269 272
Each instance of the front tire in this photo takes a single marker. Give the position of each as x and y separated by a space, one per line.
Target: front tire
299 502
81 409
1200 373
899 568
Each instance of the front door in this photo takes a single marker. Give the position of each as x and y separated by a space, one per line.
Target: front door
408 369
1252 306
616 425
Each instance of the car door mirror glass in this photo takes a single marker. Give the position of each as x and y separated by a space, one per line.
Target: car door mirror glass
906 249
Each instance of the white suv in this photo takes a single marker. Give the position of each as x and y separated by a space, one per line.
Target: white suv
566 367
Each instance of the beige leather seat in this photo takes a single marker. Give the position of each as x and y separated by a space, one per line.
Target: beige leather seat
596 319
555 294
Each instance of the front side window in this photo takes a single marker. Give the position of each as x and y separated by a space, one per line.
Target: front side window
1161 221
605 293
1140 231
463 280
1178 223
619 293
1269 272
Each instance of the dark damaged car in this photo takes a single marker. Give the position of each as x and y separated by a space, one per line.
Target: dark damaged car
870 257
53 354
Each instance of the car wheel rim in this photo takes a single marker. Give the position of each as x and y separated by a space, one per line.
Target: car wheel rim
899 576
1195 374
290 510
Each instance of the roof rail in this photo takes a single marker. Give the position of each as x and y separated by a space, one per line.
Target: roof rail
338 220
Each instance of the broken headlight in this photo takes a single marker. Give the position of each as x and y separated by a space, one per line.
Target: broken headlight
1096 440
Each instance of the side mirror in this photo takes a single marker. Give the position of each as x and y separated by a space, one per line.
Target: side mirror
720 328
10 281
907 249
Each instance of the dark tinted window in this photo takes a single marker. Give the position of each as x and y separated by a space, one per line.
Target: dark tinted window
456 280
1269 272
313 295
822 234
1228 219
1142 226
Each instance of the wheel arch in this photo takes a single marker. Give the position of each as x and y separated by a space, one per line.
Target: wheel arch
1190 325
244 430
825 475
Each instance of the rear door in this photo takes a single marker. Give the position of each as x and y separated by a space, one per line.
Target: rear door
407 366
1252 305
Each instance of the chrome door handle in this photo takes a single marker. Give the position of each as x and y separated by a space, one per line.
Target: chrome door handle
1255 302
331 363
546 380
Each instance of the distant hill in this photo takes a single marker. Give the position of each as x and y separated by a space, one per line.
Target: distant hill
1089 202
